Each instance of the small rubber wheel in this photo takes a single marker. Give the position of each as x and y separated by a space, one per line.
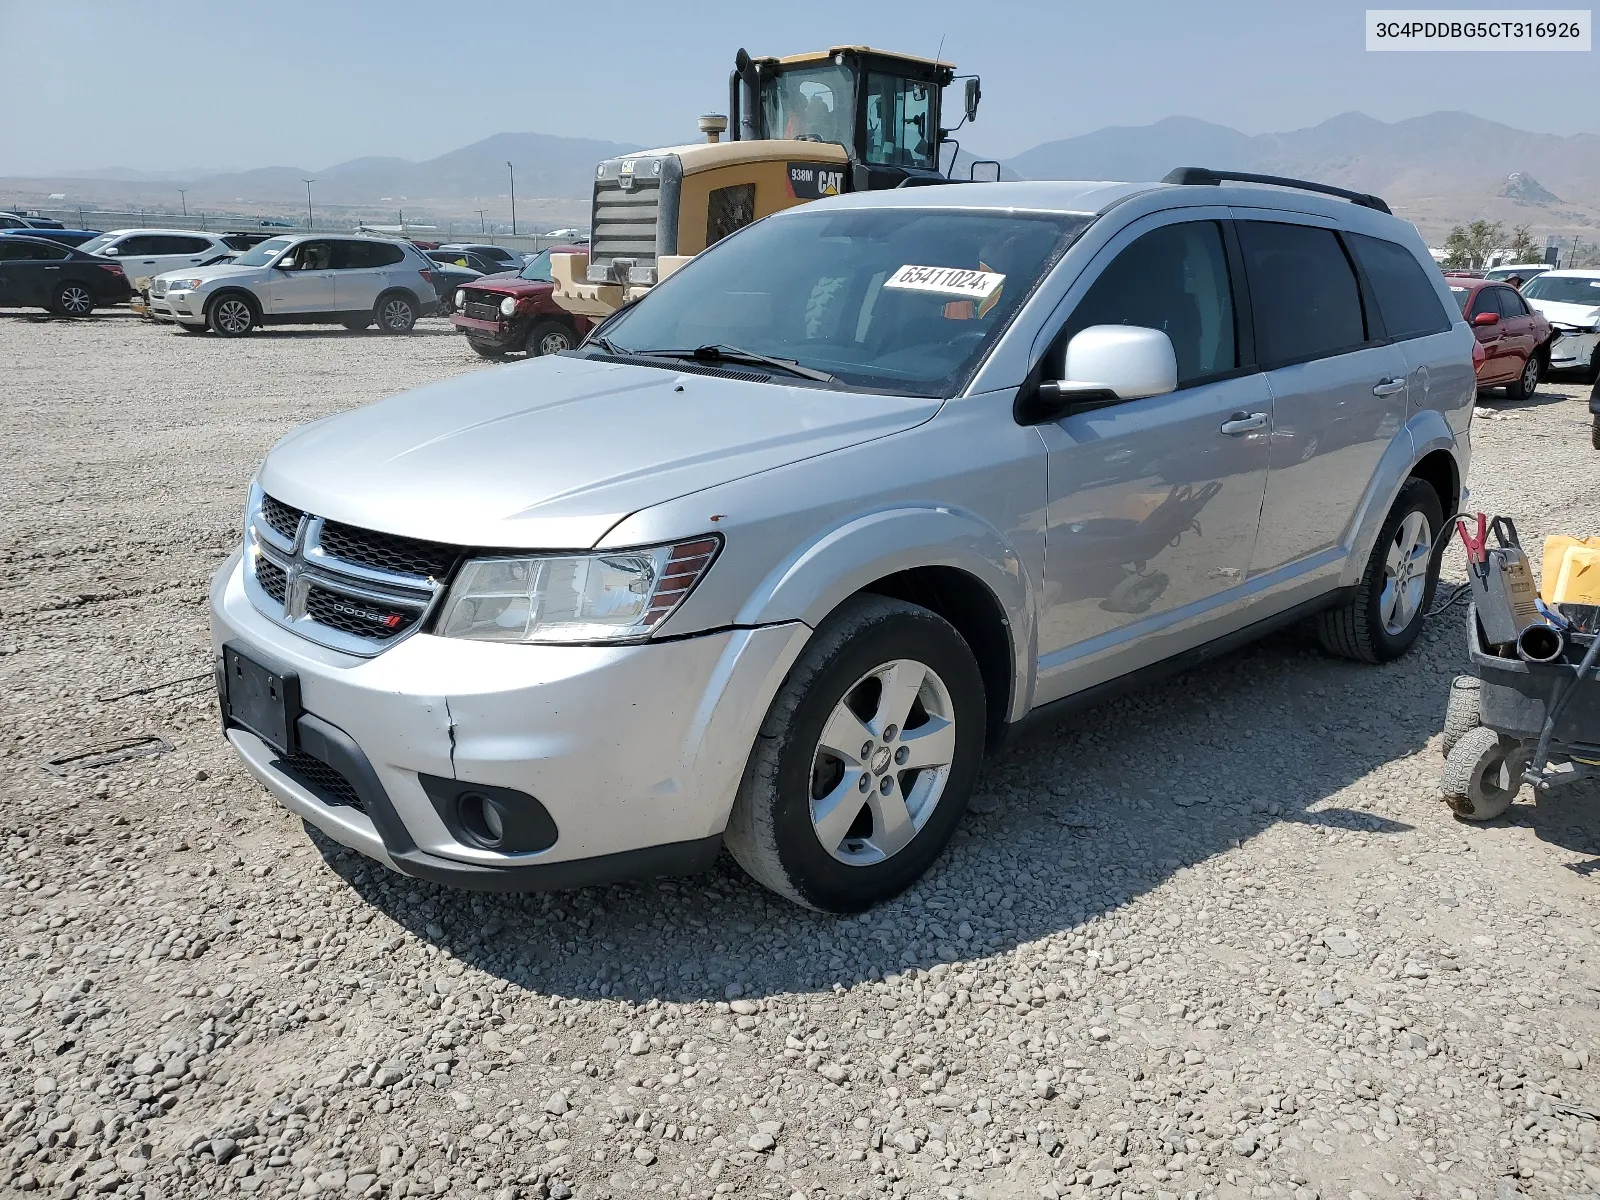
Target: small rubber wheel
72 299
548 337
1524 385
1460 711
1383 618
357 324
231 315
486 349
865 760
1482 774
1136 593
396 314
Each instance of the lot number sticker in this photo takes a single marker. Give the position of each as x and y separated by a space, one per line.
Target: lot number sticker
948 281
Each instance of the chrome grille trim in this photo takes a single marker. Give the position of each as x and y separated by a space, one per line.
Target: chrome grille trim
304 563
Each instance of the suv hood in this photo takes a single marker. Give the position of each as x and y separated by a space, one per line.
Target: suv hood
551 453
511 285
1583 316
207 274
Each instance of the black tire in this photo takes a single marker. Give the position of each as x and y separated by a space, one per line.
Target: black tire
357 324
1357 629
1526 384
1594 432
1482 775
1592 375
232 314
485 350
189 328
1460 711
72 298
395 313
549 337
770 830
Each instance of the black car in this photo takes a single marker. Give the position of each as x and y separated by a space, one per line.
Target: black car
473 260
447 277
35 273
11 220
495 258
67 237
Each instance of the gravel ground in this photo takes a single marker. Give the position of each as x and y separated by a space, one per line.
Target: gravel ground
1215 939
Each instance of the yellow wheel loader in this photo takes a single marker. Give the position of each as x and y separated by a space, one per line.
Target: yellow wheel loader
846 119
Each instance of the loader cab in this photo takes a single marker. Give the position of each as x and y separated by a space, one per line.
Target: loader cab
883 109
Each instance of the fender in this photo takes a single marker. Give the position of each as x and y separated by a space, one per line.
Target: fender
1424 432
820 576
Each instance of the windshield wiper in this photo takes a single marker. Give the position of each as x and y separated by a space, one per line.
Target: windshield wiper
732 354
607 345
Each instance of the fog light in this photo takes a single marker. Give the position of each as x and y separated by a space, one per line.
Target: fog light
481 819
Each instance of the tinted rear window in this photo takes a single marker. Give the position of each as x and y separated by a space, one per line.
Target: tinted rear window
1303 289
353 255
1405 294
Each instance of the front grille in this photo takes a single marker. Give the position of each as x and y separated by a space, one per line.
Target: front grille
284 520
387 552
481 310
323 781
624 226
358 617
274 580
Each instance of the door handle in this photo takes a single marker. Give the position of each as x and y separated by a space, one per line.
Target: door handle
1244 423
1388 387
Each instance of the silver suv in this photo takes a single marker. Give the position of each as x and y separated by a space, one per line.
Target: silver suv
299 280
772 559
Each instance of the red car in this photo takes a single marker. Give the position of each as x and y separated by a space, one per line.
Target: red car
502 314
1515 339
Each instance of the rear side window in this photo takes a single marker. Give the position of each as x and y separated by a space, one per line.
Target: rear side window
176 244
1303 290
351 256
1405 294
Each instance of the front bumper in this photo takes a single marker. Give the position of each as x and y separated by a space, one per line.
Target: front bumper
188 308
635 752
496 333
1573 351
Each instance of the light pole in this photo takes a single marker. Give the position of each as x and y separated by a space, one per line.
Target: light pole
513 171
183 194
308 183
483 230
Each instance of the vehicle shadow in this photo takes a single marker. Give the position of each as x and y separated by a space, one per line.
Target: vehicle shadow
1500 402
277 333
38 317
1075 821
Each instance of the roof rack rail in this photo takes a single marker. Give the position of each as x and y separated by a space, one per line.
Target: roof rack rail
1204 175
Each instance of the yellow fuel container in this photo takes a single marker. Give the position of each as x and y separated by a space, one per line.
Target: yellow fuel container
1579 579
1556 548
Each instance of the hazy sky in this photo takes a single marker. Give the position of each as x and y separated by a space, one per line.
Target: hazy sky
160 85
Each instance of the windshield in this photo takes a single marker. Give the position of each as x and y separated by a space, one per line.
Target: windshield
538 268
1564 290
95 244
894 300
814 103
262 253
1462 295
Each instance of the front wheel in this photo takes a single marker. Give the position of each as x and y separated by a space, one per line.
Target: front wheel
72 299
865 761
1482 775
486 349
1385 613
1523 387
231 316
548 337
396 314
1461 712
357 324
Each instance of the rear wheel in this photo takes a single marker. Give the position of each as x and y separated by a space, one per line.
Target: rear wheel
1385 614
72 299
231 315
865 761
548 337
1523 387
1482 775
396 313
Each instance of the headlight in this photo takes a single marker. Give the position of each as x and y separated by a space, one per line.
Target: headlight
618 595
183 285
508 306
461 298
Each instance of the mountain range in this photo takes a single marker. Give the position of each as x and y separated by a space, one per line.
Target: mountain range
1437 169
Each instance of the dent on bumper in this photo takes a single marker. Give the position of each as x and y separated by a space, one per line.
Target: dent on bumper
634 750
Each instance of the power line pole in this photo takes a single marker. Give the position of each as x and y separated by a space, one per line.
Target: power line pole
483 230
183 195
513 171
308 183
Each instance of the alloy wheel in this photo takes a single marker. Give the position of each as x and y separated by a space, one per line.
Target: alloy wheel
233 316
1530 376
76 300
1405 574
397 316
882 762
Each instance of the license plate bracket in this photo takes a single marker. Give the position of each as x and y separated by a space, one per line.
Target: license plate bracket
261 697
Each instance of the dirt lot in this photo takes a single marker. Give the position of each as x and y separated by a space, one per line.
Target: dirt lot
1217 939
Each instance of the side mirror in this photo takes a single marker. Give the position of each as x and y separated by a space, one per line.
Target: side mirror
111 252
1105 364
974 94
286 263
1486 318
